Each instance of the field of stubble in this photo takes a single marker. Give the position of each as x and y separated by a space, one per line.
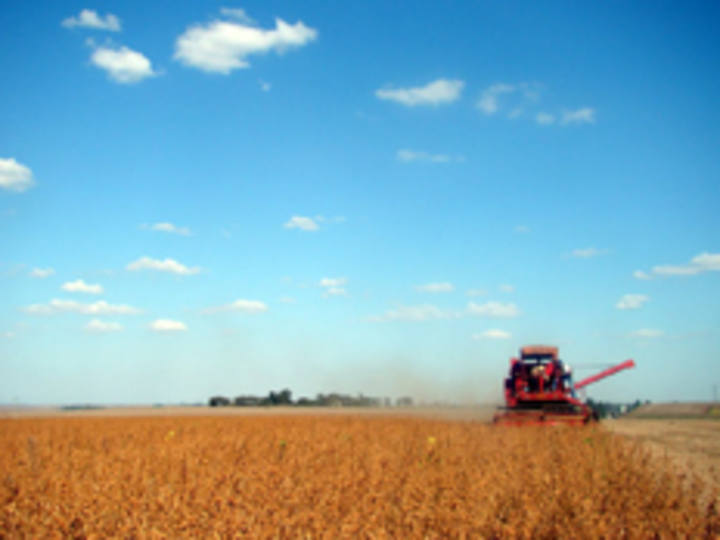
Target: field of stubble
334 476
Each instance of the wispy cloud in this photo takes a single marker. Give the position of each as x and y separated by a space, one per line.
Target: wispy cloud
334 286
584 115
168 325
544 118
488 102
492 334
102 327
441 287
408 156
165 226
647 333
88 18
704 262
15 176
101 307
587 253
476 292
166 265
632 301
522 229
222 46
438 92
80 286
423 312
42 273
494 310
506 288
301 222
122 64
237 14
240 305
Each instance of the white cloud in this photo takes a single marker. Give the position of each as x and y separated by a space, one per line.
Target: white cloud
168 325
408 156
42 273
333 282
222 46
265 86
488 102
242 305
443 287
424 312
165 226
15 176
166 265
496 310
704 262
335 291
101 327
492 334
585 115
123 65
507 288
544 119
647 333
89 18
632 301
237 14
101 307
476 292
436 92
302 223
80 286
587 253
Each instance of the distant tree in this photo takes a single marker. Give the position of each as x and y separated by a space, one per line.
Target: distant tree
219 401
404 401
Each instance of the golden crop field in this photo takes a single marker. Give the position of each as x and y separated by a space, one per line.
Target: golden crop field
334 477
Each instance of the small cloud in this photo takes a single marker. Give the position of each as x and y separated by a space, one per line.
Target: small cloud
585 115
333 282
476 292
167 227
488 102
102 327
587 253
443 287
408 156
647 333
123 65
544 119
168 325
241 305
495 310
80 286
8 334
522 229
632 301
438 92
301 222
15 176
515 113
492 334
287 300
89 18
42 273
237 14
101 307
223 46
265 86
335 291
704 262
166 265
424 312
507 288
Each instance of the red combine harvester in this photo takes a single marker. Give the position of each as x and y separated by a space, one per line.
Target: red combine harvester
540 390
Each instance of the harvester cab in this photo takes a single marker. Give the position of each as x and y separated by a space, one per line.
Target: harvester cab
539 389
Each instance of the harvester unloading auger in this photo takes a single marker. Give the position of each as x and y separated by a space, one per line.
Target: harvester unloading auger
540 390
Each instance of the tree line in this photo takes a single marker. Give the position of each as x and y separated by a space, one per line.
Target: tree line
284 398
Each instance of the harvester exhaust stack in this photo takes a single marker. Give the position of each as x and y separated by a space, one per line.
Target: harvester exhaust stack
540 390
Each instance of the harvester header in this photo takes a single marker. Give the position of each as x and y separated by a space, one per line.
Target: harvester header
540 390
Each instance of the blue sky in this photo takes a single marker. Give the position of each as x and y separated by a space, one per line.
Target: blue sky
217 198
